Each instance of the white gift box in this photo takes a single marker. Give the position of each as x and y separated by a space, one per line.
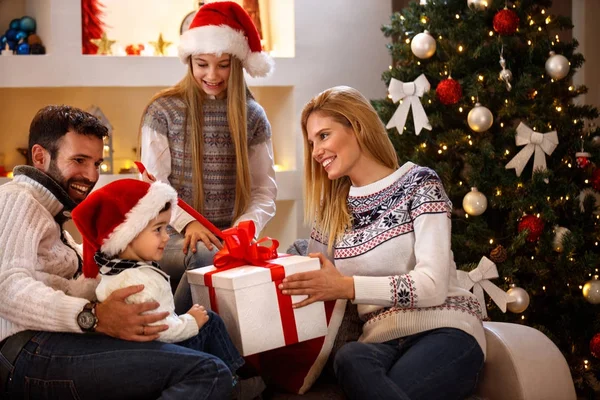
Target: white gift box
247 302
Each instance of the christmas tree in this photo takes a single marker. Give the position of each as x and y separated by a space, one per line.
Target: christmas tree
477 95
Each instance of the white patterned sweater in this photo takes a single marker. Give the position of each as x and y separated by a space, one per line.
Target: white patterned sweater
398 251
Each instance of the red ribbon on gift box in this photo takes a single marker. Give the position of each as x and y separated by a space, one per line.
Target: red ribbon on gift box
239 248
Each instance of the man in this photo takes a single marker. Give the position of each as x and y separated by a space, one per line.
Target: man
55 341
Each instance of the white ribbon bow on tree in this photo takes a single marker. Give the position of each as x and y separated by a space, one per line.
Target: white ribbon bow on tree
533 141
478 279
409 93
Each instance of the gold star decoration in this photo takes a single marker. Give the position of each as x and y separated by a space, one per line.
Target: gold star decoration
104 44
160 46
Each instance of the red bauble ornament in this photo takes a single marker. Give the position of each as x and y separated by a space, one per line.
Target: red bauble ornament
448 91
596 179
134 49
595 345
506 22
534 225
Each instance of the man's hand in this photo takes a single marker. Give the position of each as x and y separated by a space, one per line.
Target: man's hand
322 285
195 231
125 321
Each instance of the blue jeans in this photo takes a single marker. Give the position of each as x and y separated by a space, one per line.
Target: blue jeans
175 263
65 366
438 364
214 339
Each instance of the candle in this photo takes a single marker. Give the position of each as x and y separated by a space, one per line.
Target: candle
7 51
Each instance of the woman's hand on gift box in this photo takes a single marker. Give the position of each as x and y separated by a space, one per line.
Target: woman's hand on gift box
195 232
320 285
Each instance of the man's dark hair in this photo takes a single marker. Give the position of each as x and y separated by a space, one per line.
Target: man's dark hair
51 123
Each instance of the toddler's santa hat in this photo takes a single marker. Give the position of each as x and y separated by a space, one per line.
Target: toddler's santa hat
225 27
112 216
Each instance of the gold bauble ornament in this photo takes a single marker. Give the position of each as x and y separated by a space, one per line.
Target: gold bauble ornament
423 45
591 290
480 118
557 66
475 202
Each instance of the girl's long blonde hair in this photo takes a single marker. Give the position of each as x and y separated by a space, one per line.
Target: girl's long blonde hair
193 96
326 200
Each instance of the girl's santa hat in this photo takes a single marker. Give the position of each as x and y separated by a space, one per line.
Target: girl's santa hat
112 216
225 27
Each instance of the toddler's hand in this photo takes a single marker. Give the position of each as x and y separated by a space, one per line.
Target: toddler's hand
200 314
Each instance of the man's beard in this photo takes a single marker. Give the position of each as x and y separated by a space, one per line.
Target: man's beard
55 173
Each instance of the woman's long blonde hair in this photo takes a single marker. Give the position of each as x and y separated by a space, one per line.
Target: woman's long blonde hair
193 96
326 200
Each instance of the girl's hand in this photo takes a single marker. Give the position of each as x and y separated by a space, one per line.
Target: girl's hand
195 231
321 285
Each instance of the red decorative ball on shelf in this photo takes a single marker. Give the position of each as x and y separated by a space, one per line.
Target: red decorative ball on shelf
595 345
506 22
596 179
448 91
534 225
134 49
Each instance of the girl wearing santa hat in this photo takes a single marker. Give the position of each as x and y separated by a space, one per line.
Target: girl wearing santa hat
210 140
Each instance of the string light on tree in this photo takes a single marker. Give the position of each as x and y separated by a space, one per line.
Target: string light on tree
520 299
480 118
557 66
423 45
475 202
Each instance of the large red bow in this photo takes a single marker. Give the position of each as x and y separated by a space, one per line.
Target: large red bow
241 249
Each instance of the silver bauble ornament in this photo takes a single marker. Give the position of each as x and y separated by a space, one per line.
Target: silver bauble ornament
559 233
591 290
520 299
557 66
423 45
475 202
477 4
480 118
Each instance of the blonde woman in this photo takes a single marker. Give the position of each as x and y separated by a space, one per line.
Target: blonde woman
382 233
210 139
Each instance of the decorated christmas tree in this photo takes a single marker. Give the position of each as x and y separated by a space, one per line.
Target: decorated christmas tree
482 92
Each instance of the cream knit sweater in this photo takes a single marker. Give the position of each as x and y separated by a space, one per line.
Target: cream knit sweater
37 289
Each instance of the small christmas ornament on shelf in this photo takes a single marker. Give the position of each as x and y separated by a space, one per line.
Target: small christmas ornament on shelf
480 118
408 94
520 299
20 38
534 225
557 66
498 254
559 235
506 22
104 44
591 290
478 5
540 143
475 202
134 49
423 45
448 91
160 46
